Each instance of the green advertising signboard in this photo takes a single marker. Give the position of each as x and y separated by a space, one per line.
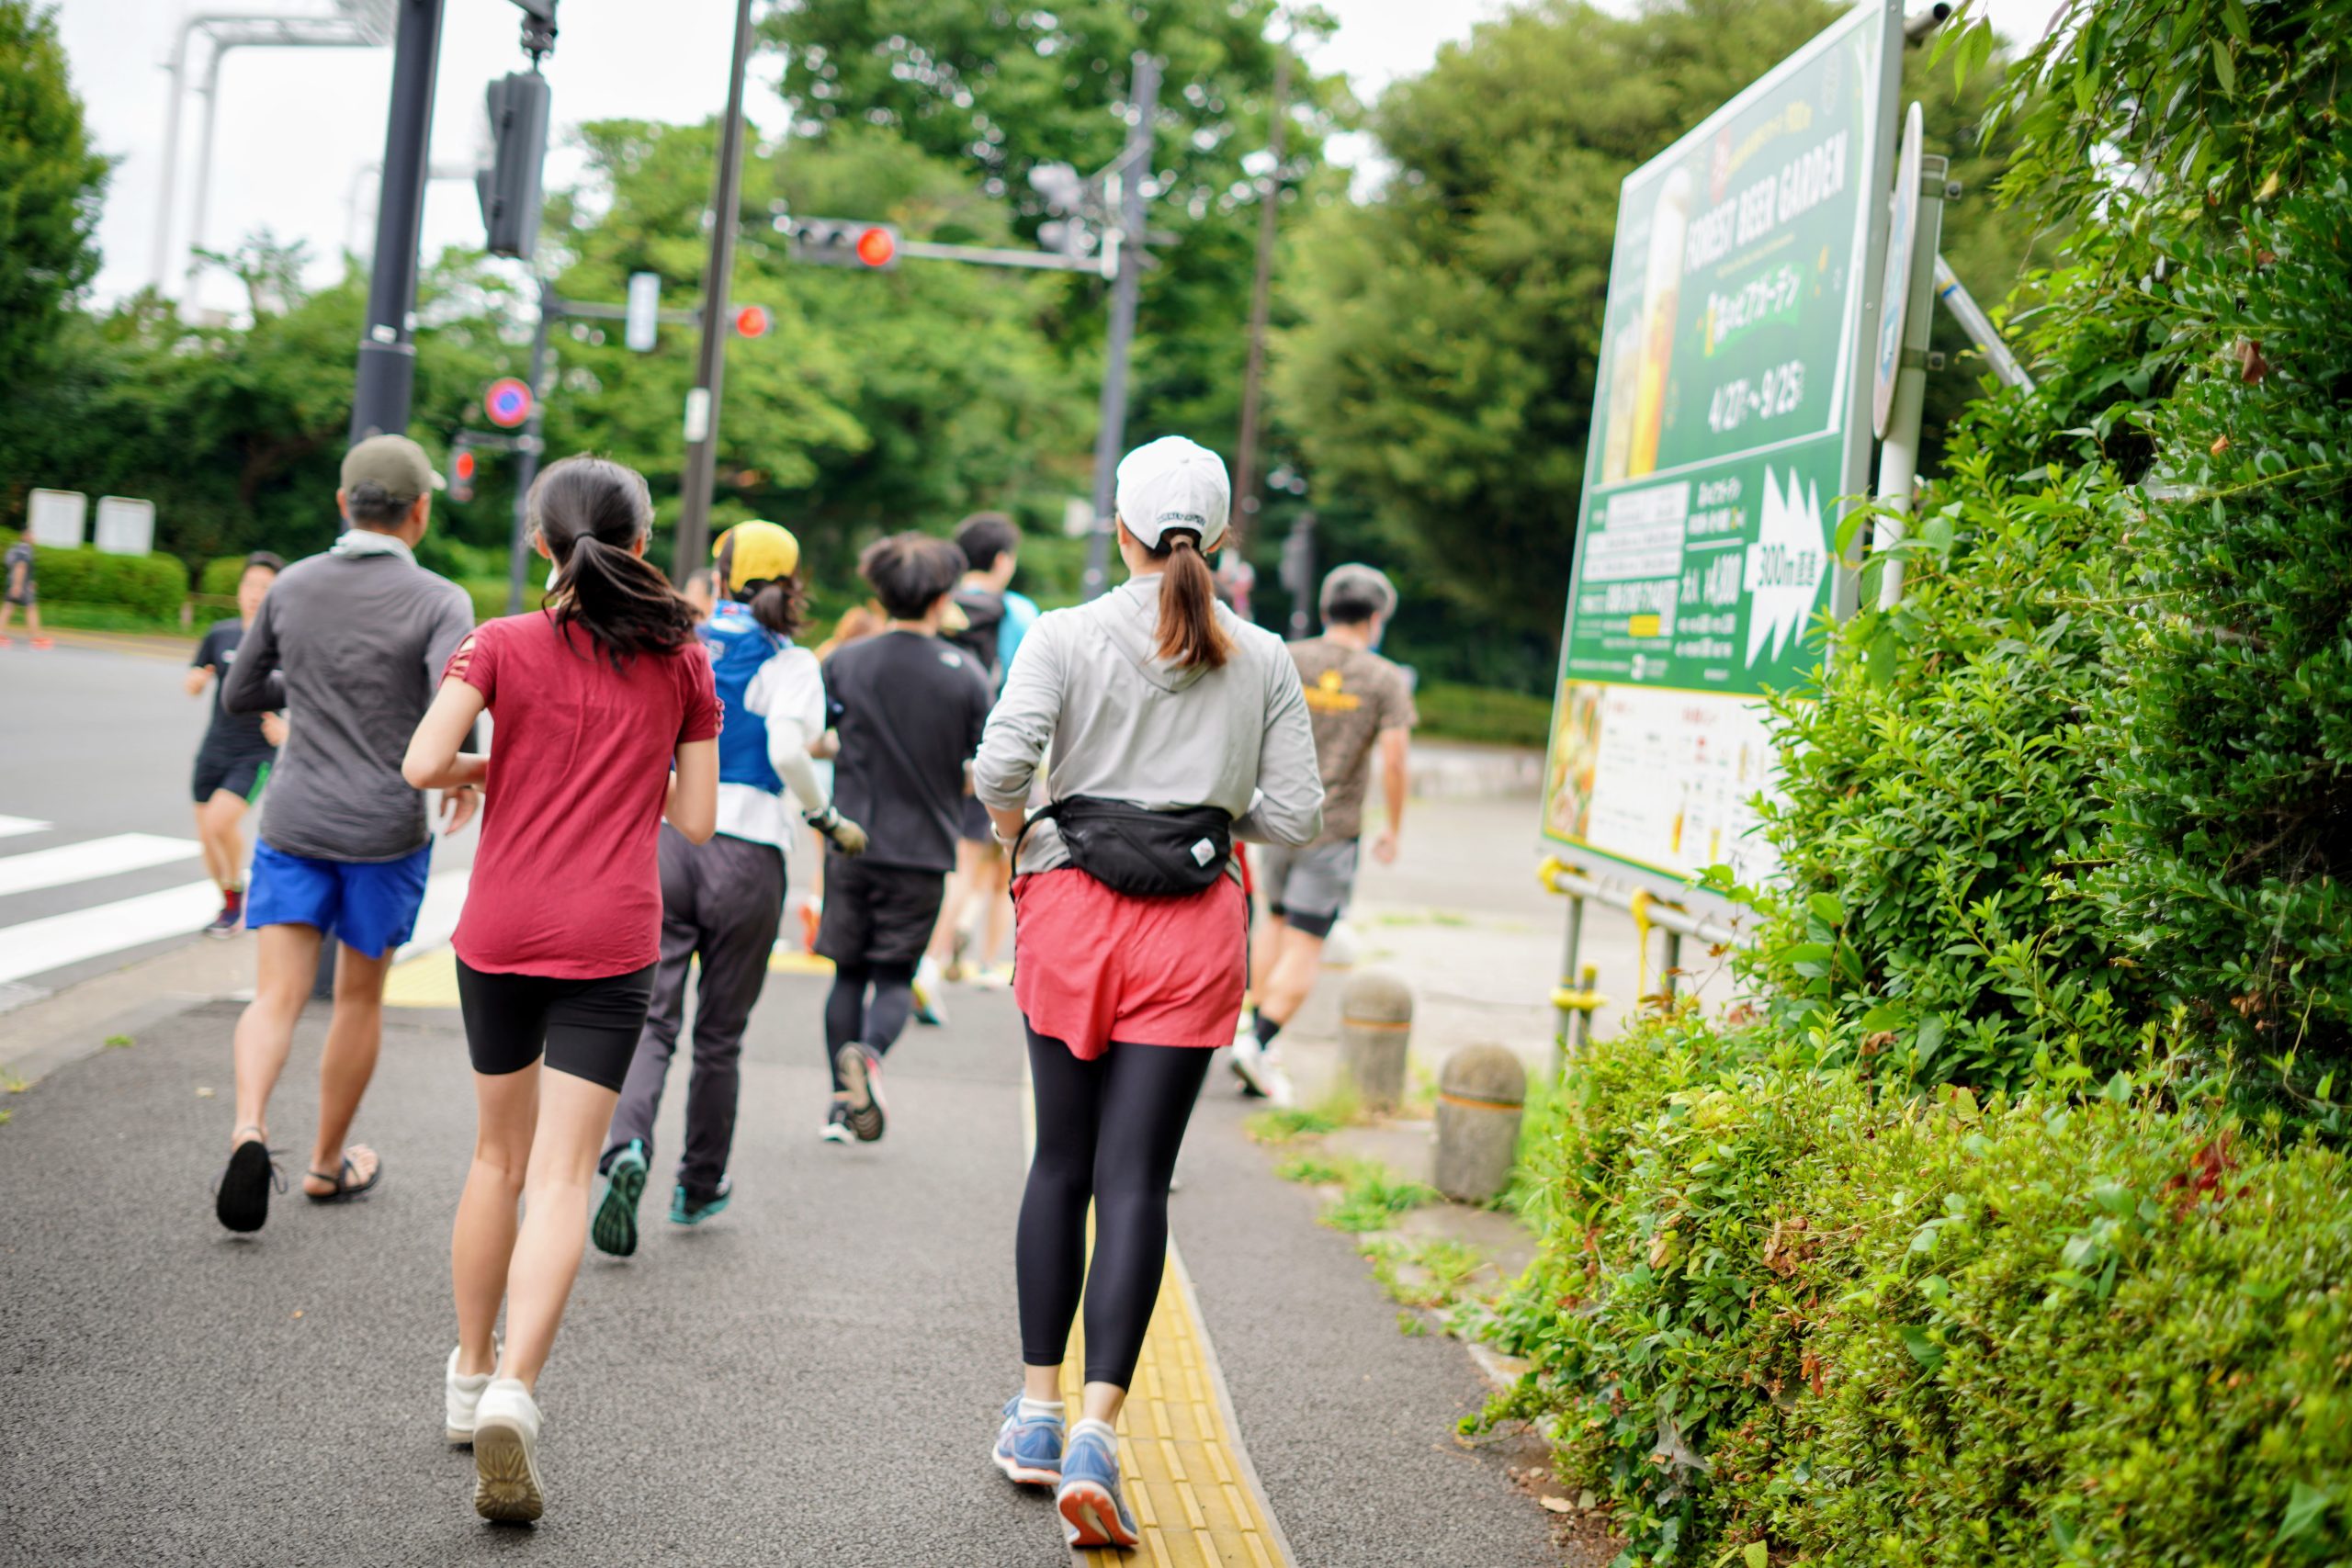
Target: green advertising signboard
1731 415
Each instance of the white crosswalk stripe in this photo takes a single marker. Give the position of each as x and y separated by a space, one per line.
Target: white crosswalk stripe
47 943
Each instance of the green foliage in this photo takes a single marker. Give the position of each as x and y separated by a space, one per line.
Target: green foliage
1451 711
152 585
1776 1306
1441 370
219 576
2230 727
50 182
1286 1125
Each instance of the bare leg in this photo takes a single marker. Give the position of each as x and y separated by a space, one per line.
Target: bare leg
482 1246
1284 987
573 1114
287 958
217 829
1265 946
995 881
353 1035
960 888
1101 1401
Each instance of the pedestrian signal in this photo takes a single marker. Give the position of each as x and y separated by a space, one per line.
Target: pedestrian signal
509 187
841 241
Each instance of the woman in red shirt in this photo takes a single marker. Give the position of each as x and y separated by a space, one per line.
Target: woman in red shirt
605 724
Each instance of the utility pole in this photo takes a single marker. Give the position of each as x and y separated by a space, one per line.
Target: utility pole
386 350
1245 468
526 456
1134 168
710 364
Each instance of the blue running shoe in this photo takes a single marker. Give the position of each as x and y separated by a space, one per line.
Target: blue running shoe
1094 1513
1030 1451
684 1211
613 1229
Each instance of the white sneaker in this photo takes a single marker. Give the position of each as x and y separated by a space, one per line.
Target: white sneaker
460 1396
1248 1064
1275 1081
507 1454
929 985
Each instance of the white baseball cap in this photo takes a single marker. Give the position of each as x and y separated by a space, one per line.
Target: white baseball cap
1172 483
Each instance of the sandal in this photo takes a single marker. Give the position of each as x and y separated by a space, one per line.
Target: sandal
241 1197
346 1189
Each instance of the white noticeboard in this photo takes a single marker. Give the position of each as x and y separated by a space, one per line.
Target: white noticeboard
55 518
126 527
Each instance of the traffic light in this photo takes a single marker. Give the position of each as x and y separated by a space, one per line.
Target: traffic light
509 187
843 242
461 472
752 320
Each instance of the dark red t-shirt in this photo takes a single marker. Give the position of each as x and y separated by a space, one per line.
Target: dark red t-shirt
567 882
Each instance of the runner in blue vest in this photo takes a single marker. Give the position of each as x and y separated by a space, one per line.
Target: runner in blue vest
722 900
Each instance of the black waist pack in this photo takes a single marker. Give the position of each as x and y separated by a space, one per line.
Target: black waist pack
1143 853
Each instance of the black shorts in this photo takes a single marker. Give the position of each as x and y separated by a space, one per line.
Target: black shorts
586 1028
878 914
239 772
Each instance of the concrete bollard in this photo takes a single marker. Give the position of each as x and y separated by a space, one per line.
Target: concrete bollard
1375 1025
1481 1092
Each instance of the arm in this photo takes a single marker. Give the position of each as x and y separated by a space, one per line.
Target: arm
693 804
255 682
1019 729
1394 783
434 760
1288 807
199 677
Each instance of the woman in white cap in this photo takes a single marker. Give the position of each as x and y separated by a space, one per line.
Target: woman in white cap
1166 727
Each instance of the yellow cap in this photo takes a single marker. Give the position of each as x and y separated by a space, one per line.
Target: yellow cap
749 551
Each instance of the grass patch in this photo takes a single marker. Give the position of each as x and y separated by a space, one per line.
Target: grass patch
1374 1198
1424 1271
1286 1125
109 618
116 1041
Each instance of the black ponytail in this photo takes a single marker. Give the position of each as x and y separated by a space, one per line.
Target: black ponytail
1189 634
779 604
591 512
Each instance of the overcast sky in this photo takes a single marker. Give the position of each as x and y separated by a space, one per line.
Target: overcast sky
299 130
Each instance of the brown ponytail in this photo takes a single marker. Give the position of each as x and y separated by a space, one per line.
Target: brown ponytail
1189 634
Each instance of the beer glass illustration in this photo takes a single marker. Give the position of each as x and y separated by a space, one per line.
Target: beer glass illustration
1661 300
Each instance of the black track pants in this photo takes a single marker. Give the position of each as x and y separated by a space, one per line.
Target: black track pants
1107 1129
876 1023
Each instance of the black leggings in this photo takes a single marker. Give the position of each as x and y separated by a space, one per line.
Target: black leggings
877 1024
1107 1129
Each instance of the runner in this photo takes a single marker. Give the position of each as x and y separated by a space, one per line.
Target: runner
909 708
17 579
347 644
1357 698
594 699
1172 726
722 901
996 619
232 763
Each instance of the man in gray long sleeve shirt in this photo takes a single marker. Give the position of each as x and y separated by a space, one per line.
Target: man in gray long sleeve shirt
350 644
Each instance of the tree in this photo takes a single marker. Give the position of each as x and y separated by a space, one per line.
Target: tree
1443 365
51 183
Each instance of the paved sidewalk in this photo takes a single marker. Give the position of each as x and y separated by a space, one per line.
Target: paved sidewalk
813 1378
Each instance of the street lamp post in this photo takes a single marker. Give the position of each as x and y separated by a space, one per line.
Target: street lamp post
710 364
1134 168
387 349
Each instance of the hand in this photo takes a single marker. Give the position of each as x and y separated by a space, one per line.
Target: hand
197 676
273 728
839 831
457 807
1383 848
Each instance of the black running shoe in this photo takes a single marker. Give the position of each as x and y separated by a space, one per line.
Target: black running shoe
862 1077
230 920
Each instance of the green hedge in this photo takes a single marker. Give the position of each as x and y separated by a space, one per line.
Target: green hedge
1453 711
152 585
1776 1310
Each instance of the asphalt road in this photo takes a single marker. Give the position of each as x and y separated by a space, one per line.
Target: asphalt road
813 1378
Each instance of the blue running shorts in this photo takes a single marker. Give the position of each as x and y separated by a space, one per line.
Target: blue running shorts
369 906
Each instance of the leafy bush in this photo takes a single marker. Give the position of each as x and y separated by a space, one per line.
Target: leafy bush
2230 727
152 585
1940 799
1451 711
1776 1307
220 577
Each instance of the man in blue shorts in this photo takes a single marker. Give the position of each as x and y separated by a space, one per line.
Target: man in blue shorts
350 646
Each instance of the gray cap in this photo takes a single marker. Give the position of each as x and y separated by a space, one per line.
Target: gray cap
1357 580
394 463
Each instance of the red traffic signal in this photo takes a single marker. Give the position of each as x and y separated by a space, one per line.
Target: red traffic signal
843 242
753 320
461 474
878 246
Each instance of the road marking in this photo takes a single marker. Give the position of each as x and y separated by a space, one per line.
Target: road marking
59 940
90 859
426 974
1188 1480
11 827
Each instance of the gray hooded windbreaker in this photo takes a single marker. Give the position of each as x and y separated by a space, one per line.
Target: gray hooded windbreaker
1123 725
